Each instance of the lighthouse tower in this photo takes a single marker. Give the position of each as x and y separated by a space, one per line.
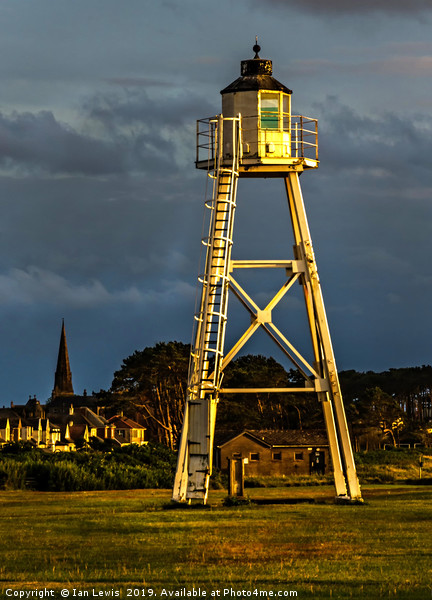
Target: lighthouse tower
256 136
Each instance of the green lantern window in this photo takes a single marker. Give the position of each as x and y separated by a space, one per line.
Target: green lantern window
270 111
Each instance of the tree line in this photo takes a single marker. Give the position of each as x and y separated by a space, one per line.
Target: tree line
392 407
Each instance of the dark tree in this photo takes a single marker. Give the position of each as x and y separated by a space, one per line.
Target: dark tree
263 410
153 382
411 387
381 407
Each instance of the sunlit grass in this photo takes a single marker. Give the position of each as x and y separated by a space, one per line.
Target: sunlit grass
130 538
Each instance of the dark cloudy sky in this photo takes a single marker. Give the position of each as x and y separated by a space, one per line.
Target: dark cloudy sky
101 207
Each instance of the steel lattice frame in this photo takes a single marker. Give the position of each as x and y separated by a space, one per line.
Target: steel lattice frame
208 359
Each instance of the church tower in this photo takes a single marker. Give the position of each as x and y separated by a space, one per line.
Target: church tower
63 376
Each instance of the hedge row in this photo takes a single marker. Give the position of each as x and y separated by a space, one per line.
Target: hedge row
130 467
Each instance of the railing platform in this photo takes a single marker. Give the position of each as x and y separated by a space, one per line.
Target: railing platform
300 152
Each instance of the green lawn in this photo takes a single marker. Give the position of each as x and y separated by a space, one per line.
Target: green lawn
112 541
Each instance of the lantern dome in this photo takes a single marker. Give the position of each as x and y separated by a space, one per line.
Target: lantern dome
256 74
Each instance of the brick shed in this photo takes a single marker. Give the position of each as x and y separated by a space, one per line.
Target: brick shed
270 452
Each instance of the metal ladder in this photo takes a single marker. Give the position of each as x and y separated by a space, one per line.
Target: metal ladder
205 373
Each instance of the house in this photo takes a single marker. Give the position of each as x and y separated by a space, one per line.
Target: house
66 432
13 428
36 430
5 426
127 431
78 426
41 430
278 453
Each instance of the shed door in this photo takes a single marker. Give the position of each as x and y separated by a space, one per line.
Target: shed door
317 462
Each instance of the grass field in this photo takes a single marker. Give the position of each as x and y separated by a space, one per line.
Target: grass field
114 541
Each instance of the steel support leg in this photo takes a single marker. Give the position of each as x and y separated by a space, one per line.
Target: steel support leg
346 480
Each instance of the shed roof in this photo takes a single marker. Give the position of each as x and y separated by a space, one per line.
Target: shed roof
290 437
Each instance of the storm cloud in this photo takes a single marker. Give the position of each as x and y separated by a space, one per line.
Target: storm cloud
101 205
342 7
118 133
39 141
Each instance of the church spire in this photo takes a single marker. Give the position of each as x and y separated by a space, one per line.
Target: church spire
63 375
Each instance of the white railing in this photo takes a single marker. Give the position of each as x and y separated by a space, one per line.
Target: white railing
298 132
304 137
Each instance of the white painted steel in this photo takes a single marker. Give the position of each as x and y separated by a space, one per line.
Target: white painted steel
205 373
208 358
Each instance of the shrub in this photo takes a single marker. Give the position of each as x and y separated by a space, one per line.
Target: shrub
129 467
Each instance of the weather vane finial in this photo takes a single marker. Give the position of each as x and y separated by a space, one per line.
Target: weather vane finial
256 48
